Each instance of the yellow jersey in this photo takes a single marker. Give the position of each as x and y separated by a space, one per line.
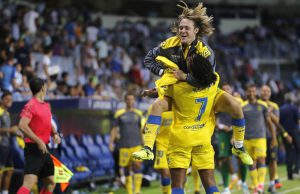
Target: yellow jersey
194 118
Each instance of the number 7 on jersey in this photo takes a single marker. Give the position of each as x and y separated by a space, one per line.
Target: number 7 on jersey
203 102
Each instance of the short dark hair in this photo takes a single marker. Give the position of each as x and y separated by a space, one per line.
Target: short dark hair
36 85
251 86
128 94
202 70
6 93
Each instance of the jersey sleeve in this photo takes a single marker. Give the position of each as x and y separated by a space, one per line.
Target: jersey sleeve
151 64
27 112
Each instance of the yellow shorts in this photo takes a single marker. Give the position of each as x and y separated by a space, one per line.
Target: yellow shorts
161 157
125 155
256 147
201 157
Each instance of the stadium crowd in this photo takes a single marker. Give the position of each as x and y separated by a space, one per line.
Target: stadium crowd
107 62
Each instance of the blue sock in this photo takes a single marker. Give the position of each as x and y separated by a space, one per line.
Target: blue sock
165 181
212 190
177 191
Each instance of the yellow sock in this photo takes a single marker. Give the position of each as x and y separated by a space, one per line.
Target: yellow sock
254 177
166 189
137 181
151 130
196 179
261 174
238 127
128 182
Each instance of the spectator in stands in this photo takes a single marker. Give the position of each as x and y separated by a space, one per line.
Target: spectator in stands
6 129
289 119
35 122
100 93
43 65
127 133
23 55
8 74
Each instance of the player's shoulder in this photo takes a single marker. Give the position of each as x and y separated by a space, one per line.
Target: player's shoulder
203 49
274 105
1 111
240 100
119 112
138 112
261 102
171 42
245 103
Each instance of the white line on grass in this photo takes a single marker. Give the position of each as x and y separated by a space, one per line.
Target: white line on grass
290 190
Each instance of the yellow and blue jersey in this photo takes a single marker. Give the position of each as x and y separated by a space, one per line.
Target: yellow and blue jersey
194 118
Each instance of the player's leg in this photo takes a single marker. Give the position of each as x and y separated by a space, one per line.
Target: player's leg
124 162
165 180
271 160
151 128
196 180
137 176
208 181
261 153
161 165
224 155
225 102
178 177
203 160
7 180
179 159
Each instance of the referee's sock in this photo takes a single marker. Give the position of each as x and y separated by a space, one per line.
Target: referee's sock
44 191
23 190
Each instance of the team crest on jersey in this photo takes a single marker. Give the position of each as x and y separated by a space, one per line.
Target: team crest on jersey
202 50
163 44
259 108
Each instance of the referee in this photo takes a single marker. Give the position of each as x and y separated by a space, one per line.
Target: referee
35 123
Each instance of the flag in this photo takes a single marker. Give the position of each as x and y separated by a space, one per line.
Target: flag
62 174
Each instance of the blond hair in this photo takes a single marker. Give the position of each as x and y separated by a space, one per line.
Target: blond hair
199 16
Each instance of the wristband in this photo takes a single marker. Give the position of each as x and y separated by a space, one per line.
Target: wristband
285 134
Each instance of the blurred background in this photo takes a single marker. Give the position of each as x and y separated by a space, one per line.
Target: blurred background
94 51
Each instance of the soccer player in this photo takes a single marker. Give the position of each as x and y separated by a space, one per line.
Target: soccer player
162 143
190 138
128 128
192 25
6 160
257 118
35 123
265 93
224 143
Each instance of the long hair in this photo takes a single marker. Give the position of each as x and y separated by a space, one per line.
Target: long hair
202 70
199 16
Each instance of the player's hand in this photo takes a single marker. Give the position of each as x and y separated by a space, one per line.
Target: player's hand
42 146
15 130
56 138
180 75
274 143
111 147
152 93
289 139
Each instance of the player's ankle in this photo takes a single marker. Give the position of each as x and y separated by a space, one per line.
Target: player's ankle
148 148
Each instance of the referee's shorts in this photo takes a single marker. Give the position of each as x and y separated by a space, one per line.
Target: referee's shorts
36 162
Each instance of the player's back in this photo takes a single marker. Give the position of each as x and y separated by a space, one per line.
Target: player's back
194 119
